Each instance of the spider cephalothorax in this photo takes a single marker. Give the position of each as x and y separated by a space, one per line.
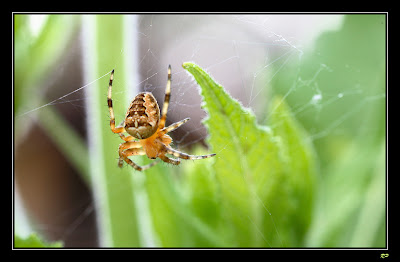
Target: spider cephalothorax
143 122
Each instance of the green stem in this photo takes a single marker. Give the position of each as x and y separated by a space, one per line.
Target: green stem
103 40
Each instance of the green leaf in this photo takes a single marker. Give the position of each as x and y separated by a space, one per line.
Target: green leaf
258 193
33 241
202 190
298 152
175 221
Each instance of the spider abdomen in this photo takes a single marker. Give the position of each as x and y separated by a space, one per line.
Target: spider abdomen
143 116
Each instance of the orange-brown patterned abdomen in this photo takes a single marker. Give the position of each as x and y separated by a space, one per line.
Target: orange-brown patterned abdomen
143 115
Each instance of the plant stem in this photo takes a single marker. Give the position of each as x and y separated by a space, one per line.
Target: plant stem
103 40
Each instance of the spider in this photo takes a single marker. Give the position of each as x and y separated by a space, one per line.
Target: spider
143 122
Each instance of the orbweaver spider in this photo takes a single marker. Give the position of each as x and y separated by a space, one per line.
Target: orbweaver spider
143 122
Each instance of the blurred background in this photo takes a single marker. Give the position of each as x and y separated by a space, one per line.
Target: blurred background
330 69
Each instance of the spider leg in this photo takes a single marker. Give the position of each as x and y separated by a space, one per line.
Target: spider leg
124 151
130 144
126 138
114 129
166 100
169 160
132 148
179 154
129 152
173 126
133 164
134 152
122 136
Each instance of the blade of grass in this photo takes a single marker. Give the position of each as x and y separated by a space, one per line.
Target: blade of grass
67 140
112 187
350 205
373 208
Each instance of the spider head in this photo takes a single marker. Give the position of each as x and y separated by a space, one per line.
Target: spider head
143 116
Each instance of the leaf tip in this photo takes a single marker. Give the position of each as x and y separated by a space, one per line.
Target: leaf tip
187 65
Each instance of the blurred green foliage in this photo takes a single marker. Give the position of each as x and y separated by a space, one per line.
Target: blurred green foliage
34 241
36 54
342 82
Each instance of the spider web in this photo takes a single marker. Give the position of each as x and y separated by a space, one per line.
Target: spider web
246 54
